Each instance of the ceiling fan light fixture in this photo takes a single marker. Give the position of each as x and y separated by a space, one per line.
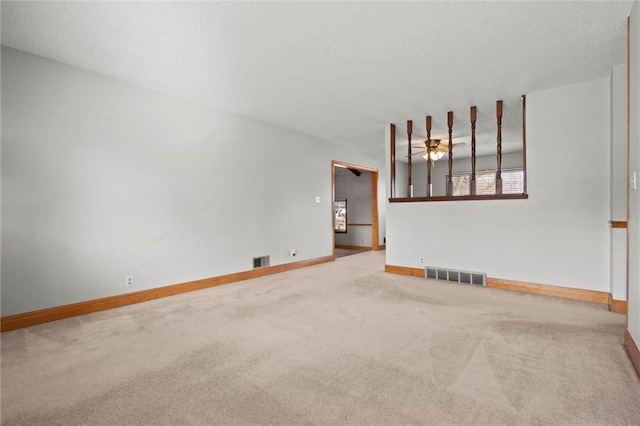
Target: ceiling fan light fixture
433 155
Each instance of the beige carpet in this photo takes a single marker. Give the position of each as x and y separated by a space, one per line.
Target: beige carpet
340 343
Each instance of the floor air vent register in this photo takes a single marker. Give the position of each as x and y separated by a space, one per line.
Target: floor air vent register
456 276
259 262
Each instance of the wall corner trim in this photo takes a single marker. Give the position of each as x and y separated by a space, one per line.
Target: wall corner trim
617 306
28 319
632 350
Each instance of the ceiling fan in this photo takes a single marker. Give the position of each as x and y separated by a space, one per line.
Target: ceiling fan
439 148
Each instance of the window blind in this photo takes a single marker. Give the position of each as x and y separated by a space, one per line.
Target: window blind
512 182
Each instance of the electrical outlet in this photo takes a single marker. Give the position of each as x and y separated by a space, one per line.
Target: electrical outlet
421 260
128 281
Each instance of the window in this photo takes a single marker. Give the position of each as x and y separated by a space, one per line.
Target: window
340 221
512 182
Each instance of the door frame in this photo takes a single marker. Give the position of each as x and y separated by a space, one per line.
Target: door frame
375 225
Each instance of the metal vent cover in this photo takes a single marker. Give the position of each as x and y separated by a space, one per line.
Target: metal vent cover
259 262
456 275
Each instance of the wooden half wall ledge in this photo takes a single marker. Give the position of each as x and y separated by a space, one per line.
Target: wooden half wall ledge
350 247
361 248
618 224
602 297
28 319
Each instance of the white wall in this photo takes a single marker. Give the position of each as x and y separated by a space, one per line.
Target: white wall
618 166
634 160
102 179
619 142
560 235
357 191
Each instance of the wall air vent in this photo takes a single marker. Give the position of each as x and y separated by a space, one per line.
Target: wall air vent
456 276
259 262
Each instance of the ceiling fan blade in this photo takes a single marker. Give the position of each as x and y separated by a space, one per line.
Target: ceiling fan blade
446 143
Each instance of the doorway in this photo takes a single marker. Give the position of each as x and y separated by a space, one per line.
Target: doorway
359 228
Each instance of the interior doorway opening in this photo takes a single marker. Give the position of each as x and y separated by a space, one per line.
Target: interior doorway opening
354 208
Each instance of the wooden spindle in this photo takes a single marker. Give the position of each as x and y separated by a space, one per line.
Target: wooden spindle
450 177
472 189
393 159
524 144
428 156
409 131
499 148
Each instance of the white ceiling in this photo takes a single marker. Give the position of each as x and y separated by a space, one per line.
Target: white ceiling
339 70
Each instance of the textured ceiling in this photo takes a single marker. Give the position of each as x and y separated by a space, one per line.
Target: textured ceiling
340 71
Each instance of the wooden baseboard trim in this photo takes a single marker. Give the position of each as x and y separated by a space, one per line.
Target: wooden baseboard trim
27 319
632 350
404 270
549 290
617 306
523 287
347 247
382 247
